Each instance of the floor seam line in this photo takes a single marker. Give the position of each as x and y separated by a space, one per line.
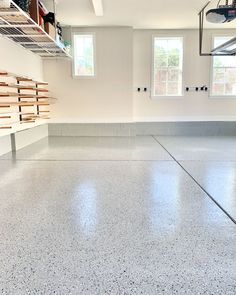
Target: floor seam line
198 184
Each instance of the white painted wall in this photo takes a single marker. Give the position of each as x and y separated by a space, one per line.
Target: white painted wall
192 106
5 144
124 63
106 98
18 60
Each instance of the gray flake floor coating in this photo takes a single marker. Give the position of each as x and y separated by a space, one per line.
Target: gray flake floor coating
116 216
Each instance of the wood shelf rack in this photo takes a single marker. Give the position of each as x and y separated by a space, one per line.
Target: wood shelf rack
27 104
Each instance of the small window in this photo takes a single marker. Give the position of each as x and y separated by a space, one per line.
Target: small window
84 55
223 72
167 66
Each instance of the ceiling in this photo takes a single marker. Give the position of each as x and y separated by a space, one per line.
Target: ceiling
145 14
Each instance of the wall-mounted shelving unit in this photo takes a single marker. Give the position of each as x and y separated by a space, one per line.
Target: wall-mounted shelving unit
16 25
26 102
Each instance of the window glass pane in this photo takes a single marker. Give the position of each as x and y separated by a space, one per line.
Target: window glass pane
230 81
218 61
219 75
221 40
160 88
224 61
218 88
174 46
172 88
228 88
173 75
161 61
224 71
161 76
83 55
168 56
173 60
230 75
161 47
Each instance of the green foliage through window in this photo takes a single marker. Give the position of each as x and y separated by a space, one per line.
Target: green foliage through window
83 55
167 63
223 72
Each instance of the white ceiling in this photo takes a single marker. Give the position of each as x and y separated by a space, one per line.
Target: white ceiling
161 14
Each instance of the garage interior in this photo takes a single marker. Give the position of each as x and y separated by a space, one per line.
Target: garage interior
117 147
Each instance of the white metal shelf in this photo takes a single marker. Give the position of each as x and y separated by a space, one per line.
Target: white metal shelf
16 25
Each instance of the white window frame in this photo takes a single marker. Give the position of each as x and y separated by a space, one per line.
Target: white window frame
211 95
165 97
94 55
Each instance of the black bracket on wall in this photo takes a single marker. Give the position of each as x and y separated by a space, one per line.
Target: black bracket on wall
142 89
196 88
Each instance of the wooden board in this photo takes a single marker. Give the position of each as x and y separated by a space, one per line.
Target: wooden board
5 117
23 87
23 103
21 95
36 96
16 113
21 78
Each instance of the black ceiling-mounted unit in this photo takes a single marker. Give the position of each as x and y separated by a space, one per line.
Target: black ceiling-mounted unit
221 14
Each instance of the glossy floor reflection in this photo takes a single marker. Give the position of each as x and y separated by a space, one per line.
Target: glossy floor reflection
218 179
211 161
109 226
93 148
200 148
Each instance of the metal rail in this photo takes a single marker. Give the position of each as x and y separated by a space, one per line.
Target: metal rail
22 30
218 51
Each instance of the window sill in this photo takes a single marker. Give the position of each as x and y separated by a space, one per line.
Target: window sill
83 77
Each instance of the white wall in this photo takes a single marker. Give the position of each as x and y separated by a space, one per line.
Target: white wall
18 60
5 144
192 106
124 54
105 98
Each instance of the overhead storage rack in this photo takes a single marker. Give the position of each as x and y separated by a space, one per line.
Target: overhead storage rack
16 25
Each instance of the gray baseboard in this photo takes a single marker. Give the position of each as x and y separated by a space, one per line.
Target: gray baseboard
219 128
92 129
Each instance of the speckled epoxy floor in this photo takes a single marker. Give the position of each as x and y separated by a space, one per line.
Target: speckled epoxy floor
113 216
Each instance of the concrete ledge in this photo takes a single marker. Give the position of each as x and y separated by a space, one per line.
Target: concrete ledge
92 129
15 141
5 144
187 128
206 128
26 137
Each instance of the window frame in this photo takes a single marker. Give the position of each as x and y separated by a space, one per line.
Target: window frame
94 55
166 97
211 95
